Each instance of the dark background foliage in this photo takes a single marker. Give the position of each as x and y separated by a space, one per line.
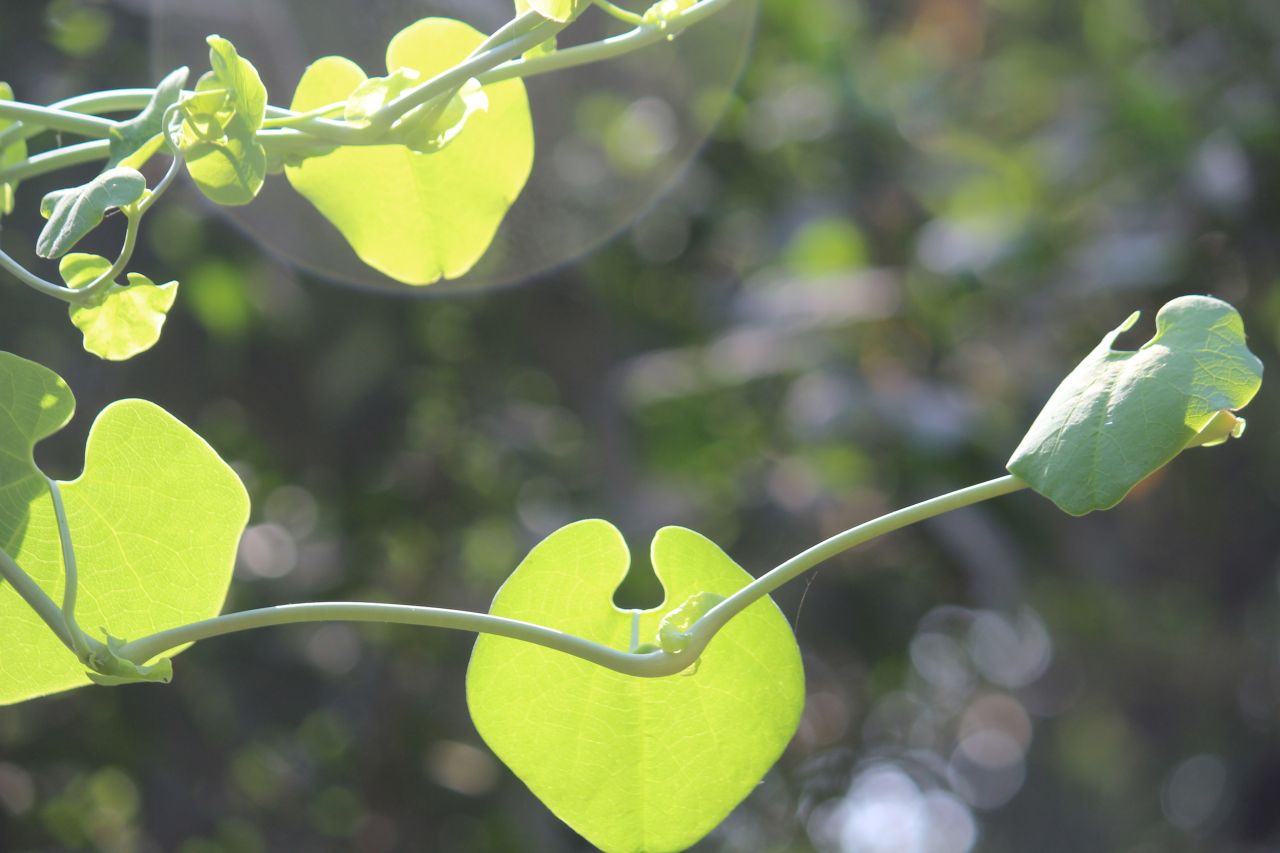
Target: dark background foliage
915 219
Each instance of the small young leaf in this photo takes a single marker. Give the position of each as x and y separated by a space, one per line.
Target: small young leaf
155 519
421 131
134 141
548 46
376 92
674 629
413 216
229 170
111 670
557 10
246 96
122 321
630 763
1121 415
73 213
10 155
661 13
219 131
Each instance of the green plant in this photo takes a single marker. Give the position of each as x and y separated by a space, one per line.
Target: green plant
641 729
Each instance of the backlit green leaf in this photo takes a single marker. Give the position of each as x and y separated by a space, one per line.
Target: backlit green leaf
1121 415
123 321
155 518
246 96
635 764
419 217
74 212
134 141
9 155
219 133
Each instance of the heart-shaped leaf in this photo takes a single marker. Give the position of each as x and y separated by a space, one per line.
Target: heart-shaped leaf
122 321
134 141
635 764
219 135
155 519
419 217
1121 415
74 212
9 155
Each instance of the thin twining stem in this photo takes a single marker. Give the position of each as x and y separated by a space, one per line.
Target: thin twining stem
71 584
650 664
37 598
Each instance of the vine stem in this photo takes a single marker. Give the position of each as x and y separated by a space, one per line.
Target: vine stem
37 598
649 665
493 62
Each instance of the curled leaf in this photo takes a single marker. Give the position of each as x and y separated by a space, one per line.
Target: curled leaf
674 631
427 131
376 92
109 669
1121 415
135 140
219 131
73 213
245 94
123 321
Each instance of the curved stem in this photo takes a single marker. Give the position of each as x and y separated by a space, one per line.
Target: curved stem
653 664
50 118
287 130
610 48
35 282
474 66
94 103
718 616
624 15
58 158
72 582
132 218
40 602
649 665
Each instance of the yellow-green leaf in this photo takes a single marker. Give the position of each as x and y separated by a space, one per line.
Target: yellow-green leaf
635 764
557 10
419 217
123 321
155 518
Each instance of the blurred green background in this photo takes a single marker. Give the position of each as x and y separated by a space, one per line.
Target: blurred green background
914 220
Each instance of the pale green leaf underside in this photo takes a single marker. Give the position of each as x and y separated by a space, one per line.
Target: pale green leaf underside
634 764
123 321
156 517
419 217
1121 415
74 212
